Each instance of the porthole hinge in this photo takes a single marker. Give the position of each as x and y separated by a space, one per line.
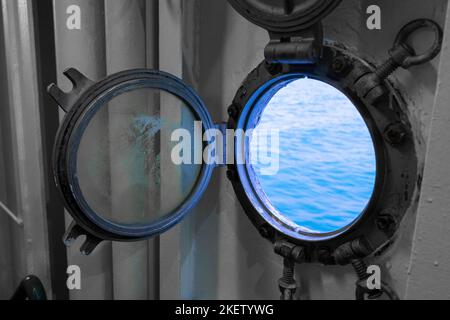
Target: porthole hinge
304 47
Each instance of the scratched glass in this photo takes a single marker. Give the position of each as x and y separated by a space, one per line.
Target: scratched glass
124 165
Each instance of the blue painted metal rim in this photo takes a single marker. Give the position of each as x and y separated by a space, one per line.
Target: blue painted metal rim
147 80
247 121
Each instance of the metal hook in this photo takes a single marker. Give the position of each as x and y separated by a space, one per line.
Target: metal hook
407 31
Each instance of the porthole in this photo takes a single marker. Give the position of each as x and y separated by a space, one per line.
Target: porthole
113 154
388 172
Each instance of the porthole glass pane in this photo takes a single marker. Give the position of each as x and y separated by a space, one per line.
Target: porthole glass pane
320 174
124 166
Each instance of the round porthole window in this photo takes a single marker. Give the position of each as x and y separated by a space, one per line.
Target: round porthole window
311 157
323 166
114 155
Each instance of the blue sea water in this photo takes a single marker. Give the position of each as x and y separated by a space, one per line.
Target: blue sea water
327 164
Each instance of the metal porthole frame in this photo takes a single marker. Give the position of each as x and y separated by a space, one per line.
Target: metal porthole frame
398 174
81 105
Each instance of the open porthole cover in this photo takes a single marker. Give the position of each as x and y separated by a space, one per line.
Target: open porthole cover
287 16
397 168
105 116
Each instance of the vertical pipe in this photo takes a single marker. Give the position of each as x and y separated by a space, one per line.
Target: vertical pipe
126 49
30 243
83 46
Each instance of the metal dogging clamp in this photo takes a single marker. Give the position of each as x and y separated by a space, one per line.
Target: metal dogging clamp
292 255
354 253
402 55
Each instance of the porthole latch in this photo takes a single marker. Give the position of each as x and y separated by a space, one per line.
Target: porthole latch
362 291
292 255
354 253
402 55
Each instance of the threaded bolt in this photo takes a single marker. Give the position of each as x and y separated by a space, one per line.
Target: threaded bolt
341 66
385 222
388 68
288 285
395 133
288 273
360 269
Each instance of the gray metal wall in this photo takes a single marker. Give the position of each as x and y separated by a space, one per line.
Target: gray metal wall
24 248
216 253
